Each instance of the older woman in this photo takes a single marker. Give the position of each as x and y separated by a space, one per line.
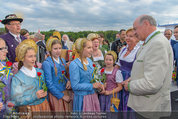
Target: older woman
66 42
28 88
5 77
97 56
126 58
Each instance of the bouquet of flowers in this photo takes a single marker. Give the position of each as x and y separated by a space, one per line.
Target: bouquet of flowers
98 77
174 75
63 78
44 87
6 70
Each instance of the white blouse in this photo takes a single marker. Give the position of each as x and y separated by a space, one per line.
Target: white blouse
56 60
28 72
131 56
98 58
118 78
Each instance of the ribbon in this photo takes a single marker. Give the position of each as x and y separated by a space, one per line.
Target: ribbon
6 70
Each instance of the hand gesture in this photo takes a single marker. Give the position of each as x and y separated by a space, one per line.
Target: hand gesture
66 98
1 105
68 85
125 84
41 93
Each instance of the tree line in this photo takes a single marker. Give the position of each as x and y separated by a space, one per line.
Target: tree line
109 35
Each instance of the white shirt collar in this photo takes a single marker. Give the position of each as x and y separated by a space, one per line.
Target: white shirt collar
56 60
15 36
38 41
84 62
28 72
150 36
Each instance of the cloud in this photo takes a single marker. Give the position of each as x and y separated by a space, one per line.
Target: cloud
77 15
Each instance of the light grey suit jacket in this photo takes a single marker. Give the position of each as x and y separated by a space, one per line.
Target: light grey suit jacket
151 77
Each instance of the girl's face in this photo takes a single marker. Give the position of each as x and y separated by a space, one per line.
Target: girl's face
130 38
87 51
3 50
56 50
96 44
109 61
29 58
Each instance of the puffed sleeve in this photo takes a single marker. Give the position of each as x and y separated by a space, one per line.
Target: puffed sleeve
119 77
75 79
49 81
22 94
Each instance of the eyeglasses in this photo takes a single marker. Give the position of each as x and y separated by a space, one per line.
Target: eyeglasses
4 48
16 24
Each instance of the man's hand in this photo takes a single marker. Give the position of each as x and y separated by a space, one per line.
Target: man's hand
125 84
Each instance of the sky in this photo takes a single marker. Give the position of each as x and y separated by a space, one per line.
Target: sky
82 15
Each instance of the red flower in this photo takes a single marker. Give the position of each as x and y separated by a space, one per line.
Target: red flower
94 65
102 70
39 73
73 57
35 66
63 72
10 104
8 64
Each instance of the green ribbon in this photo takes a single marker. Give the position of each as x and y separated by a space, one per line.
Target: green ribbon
156 33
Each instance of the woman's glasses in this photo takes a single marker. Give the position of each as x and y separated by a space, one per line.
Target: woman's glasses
4 48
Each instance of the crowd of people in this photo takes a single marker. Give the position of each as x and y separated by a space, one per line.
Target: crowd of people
39 76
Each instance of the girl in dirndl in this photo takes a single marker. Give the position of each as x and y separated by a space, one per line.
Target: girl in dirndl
28 87
55 75
80 70
112 82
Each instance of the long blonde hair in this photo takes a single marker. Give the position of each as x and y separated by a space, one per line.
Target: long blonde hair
80 45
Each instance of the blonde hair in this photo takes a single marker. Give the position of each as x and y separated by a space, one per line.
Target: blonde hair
80 44
22 49
93 36
113 54
2 40
57 34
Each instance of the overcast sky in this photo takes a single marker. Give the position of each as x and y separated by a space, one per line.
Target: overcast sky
80 15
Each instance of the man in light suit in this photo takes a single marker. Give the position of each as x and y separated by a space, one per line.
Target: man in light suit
149 84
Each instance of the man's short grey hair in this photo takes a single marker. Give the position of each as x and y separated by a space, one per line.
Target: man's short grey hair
38 36
150 19
167 30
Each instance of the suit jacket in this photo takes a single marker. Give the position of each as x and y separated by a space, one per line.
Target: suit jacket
173 42
12 44
41 51
116 46
151 77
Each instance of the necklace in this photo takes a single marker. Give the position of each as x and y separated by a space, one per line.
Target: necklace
95 53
